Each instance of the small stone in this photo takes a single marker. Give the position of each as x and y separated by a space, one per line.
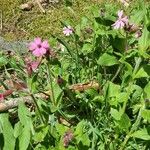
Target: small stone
27 6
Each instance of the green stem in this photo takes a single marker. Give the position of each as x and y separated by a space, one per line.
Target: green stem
77 59
134 127
137 66
41 117
51 84
116 74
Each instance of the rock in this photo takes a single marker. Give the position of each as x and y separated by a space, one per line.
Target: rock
26 6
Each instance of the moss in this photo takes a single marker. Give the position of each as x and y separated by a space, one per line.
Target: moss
19 24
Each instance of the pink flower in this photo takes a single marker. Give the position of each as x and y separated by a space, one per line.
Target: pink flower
1 97
121 22
67 30
67 138
31 66
38 47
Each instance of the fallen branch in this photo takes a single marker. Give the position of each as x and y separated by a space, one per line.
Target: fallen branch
13 102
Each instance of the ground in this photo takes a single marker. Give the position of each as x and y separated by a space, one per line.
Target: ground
17 24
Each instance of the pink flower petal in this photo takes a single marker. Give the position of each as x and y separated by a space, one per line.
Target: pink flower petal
120 14
38 41
125 20
1 97
67 30
32 46
37 52
42 50
34 65
45 44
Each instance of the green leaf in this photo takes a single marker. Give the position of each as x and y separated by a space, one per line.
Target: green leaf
119 43
138 16
87 48
9 139
24 114
69 49
18 129
61 128
124 122
40 133
122 97
79 128
147 90
141 134
3 61
144 40
24 138
115 114
107 60
113 87
141 73
146 114
85 139
58 93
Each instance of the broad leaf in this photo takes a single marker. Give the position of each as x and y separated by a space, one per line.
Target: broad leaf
147 90
18 129
40 133
107 60
24 139
115 114
146 114
144 41
141 73
24 114
9 139
141 134
124 122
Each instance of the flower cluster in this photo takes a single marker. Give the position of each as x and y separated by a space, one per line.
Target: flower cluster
121 22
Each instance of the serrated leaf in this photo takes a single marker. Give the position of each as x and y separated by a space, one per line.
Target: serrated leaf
107 60
9 139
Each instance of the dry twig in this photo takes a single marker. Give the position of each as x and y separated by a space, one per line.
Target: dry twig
13 102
